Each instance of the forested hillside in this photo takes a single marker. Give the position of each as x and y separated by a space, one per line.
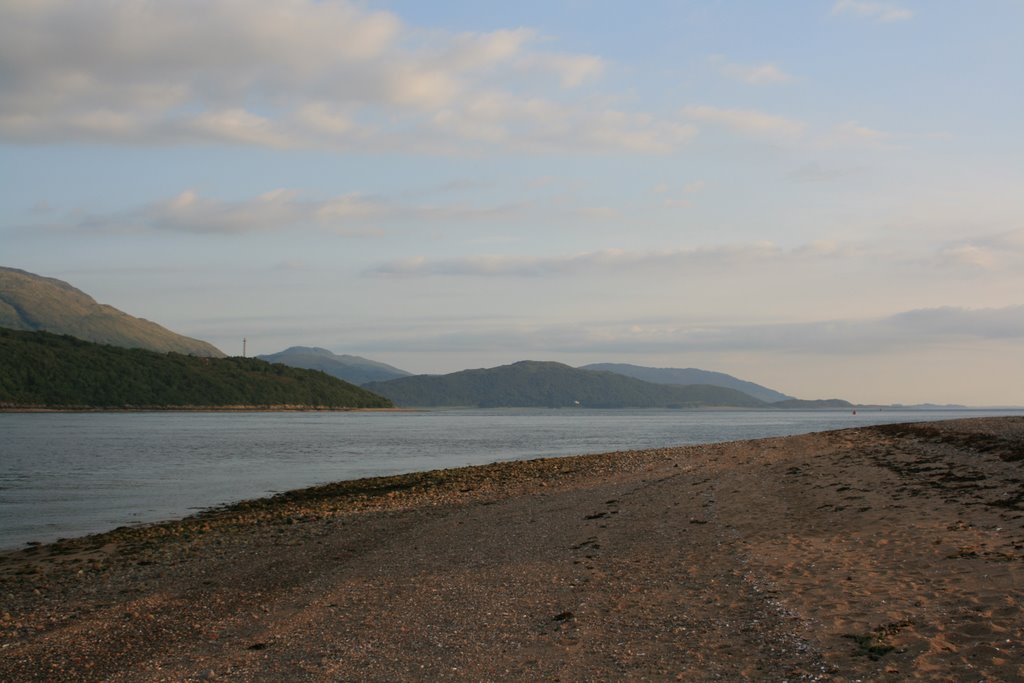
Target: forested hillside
43 369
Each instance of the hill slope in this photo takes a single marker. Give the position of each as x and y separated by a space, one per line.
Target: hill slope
550 385
33 302
354 369
684 376
43 369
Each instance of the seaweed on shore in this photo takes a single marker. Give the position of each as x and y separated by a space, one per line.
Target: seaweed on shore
875 643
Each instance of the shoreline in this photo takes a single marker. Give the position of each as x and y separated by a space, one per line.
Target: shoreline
204 409
891 552
100 520
358 495
7 408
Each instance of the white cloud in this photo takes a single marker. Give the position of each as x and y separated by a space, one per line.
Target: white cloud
478 51
813 171
280 210
992 253
969 255
600 213
919 267
677 203
686 198
321 118
878 11
537 124
747 121
296 74
492 265
910 329
853 133
511 48
572 70
753 74
237 126
916 330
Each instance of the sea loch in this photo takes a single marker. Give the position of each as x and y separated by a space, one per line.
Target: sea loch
69 474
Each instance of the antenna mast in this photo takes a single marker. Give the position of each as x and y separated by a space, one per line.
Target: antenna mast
243 347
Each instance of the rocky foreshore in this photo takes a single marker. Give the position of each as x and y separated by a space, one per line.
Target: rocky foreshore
880 553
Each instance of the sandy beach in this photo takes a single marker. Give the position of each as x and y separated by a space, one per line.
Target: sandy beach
882 553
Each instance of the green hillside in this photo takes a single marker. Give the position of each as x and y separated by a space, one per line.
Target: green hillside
33 302
354 369
43 369
551 385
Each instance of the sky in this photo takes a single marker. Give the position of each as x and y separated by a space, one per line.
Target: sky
824 197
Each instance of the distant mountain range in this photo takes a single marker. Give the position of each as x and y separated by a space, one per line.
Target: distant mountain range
39 369
551 385
535 383
354 369
32 302
685 376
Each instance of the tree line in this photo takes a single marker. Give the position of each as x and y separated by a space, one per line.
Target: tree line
44 369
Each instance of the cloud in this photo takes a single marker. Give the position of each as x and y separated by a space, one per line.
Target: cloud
784 269
491 265
853 133
879 11
600 213
687 191
297 74
746 121
572 70
752 74
991 253
910 329
352 214
970 255
477 51
539 125
676 202
282 209
509 47
816 173
916 329
235 126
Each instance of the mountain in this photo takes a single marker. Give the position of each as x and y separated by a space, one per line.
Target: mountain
32 302
690 376
551 385
43 369
354 369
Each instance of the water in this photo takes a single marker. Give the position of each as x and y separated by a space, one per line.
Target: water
69 474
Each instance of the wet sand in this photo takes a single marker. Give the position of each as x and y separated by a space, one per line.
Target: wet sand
880 553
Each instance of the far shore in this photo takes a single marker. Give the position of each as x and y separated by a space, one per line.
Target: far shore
420 409
892 552
201 409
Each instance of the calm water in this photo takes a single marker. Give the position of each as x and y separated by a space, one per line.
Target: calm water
69 474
